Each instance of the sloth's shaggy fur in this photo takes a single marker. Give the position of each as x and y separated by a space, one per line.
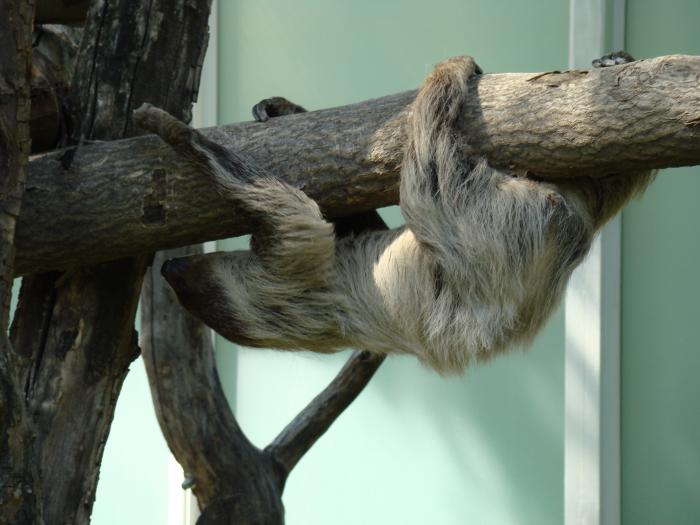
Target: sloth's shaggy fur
480 265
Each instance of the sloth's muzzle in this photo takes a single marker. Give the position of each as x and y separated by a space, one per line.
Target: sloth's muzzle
173 268
177 273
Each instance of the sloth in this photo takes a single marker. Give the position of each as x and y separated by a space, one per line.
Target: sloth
481 263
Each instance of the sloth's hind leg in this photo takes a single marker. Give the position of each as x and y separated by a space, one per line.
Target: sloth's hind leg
290 237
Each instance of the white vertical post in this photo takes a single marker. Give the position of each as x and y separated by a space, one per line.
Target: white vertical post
592 368
182 505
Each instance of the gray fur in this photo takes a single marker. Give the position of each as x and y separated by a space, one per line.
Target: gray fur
481 264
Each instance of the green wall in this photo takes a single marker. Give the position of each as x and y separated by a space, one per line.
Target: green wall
134 475
415 448
661 329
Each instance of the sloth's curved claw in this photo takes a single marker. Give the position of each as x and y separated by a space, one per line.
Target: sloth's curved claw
275 107
613 59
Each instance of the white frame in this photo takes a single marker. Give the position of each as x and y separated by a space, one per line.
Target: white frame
592 363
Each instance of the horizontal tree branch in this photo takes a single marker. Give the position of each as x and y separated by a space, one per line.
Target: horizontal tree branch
103 201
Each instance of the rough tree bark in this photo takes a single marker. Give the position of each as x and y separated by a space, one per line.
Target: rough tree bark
20 499
53 56
74 331
139 197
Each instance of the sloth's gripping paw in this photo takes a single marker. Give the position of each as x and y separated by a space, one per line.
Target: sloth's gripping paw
613 59
275 107
463 63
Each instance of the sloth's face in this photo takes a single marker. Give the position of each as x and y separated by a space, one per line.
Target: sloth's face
190 279
199 286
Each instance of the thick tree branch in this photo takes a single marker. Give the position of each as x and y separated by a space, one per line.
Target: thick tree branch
139 197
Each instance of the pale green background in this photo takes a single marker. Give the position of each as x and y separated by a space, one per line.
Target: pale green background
414 448
661 311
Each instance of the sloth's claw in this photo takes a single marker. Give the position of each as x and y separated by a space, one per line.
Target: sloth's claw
275 107
613 59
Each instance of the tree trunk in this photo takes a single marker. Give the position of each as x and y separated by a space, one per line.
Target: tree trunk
20 496
139 197
75 331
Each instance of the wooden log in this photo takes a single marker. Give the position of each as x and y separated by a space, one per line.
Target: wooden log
20 487
103 201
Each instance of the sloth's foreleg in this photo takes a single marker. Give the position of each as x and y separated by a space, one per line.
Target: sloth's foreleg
278 295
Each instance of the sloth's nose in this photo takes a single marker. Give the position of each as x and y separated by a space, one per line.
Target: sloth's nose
174 268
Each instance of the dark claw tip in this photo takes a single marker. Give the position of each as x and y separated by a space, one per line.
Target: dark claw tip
613 59
260 113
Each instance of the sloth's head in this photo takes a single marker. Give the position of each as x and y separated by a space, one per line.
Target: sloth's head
204 291
189 277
